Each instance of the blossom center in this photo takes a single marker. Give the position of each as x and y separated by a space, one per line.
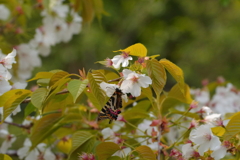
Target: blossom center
125 55
208 137
134 79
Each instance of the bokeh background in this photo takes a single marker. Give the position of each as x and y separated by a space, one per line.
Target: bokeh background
200 36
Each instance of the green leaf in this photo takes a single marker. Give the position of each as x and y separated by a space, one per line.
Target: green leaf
137 49
38 97
82 141
11 99
44 127
76 87
233 127
99 9
87 12
96 94
5 157
175 71
176 93
57 77
58 102
29 109
60 85
106 149
41 75
43 82
146 152
148 93
136 113
158 75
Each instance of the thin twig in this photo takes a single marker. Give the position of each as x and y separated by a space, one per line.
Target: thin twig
159 141
62 92
113 80
19 125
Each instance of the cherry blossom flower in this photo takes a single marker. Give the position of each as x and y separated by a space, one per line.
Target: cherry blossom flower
4 86
187 150
123 58
204 139
8 60
4 74
28 59
110 89
219 152
109 135
40 152
4 12
201 96
214 119
86 156
133 82
205 111
74 27
7 143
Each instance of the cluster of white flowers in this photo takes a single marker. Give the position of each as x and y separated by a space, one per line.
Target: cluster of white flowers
225 100
55 29
202 138
132 81
40 152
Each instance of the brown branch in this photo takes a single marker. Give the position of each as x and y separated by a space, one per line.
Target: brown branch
19 125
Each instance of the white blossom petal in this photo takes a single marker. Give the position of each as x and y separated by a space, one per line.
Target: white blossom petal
4 12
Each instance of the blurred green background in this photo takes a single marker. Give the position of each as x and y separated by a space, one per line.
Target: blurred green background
200 36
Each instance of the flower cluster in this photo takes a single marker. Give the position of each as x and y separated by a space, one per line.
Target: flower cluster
132 81
55 29
59 24
225 100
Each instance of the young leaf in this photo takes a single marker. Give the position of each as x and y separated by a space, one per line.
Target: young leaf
5 157
76 87
58 102
176 93
175 71
158 75
11 99
137 49
135 114
146 152
56 77
59 86
87 10
82 141
41 75
219 131
96 94
106 149
44 127
233 126
148 93
38 97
